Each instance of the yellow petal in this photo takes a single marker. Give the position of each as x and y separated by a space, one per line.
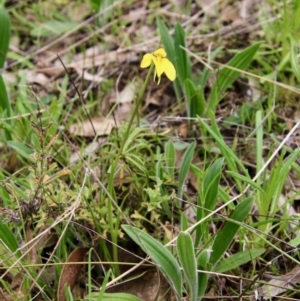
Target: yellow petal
159 66
146 61
160 52
169 69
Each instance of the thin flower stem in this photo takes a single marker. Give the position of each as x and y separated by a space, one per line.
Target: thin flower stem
115 228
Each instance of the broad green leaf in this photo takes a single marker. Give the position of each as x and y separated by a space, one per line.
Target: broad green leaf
225 236
52 27
294 59
112 297
278 178
4 34
238 259
4 44
184 224
202 284
203 261
231 159
170 158
168 44
166 40
206 71
245 179
21 149
182 60
185 166
96 4
160 181
5 106
8 249
194 98
159 254
227 76
207 197
295 242
186 254
211 183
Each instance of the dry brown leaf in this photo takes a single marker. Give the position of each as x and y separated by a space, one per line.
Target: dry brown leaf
96 78
279 285
70 272
90 149
146 32
245 7
127 94
230 14
181 3
93 61
102 126
208 6
40 78
145 287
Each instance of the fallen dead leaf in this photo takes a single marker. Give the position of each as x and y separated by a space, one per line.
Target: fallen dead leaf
149 286
245 8
127 95
90 149
40 78
209 7
96 78
93 61
279 285
70 272
99 126
230 14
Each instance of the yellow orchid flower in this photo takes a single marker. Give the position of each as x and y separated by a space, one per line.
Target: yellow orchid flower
161 63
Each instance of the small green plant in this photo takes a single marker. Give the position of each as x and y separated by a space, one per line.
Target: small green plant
186 83
4 44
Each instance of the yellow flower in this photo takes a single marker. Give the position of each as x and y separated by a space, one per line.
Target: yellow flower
161 63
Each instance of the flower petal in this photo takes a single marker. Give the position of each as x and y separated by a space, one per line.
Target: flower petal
160 52
146 61
169 69
159 66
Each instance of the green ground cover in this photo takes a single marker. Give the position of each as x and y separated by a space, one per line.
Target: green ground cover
149 150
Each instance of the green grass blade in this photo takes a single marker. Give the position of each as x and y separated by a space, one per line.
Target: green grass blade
184 224
231 158
245 179
194 98
120 297
4 34
202 261
211 183
207 198
113 297
227 75
186 254
4 100
170 158
52 28
168 43
294 59
4 44
96 4
159 254
238 259
21 149
104 283
207 71
185 166
226 234
182 60
167 40
8 240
